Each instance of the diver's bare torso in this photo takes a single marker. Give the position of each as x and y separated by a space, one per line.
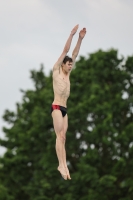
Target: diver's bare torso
61 87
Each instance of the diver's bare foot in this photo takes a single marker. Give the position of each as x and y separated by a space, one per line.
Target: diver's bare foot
63 172
68 174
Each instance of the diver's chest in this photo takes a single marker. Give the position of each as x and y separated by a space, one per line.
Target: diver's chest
63 81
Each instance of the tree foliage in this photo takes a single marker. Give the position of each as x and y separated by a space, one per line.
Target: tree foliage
99 138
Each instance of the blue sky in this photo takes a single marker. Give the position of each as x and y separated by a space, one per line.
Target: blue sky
35 31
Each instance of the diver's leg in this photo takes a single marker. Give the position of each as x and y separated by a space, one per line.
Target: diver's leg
58 123
65 126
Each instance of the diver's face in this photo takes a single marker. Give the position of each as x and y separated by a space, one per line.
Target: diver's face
67 66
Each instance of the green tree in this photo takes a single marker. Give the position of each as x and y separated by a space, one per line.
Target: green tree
99 138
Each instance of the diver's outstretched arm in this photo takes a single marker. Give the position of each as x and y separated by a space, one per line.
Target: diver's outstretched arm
66 48
77 47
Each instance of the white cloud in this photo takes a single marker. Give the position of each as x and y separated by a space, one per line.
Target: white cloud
109 24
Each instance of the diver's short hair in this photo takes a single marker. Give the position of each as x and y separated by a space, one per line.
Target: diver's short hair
67 58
